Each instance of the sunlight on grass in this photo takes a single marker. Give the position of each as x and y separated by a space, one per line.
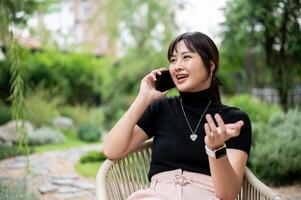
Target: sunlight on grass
88 169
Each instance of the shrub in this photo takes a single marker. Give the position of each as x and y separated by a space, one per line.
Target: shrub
276 156
78 76
5 114
82 114
257 110
15 190
7 151
45 135
88 133
92 156
42 107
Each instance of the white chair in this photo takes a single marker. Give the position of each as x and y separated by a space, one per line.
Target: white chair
117 179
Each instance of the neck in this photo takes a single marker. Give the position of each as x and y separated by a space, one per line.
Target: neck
200 98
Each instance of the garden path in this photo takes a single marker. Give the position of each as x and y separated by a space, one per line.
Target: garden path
52 175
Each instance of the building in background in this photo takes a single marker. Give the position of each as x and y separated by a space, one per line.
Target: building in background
78 25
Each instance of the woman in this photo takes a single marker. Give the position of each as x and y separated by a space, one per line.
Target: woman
200 146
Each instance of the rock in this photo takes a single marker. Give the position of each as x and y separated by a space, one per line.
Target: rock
83 185
62 181
62 122
8 131
67 190
39 171
68 176
47 187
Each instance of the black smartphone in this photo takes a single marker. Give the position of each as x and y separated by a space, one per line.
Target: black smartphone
164 81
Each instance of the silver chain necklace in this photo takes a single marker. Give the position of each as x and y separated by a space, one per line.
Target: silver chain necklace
193 135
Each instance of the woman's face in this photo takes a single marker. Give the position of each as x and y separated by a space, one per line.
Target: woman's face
188 70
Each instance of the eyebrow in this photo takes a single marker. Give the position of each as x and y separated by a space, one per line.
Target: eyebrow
173 55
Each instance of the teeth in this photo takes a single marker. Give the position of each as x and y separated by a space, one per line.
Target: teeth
181 76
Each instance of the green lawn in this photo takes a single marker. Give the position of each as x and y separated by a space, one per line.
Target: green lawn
88 169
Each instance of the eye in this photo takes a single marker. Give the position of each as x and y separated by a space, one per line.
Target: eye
187 57
172 60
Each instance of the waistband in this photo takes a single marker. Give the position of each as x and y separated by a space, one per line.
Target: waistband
183 178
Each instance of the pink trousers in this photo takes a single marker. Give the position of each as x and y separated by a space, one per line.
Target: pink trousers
177 185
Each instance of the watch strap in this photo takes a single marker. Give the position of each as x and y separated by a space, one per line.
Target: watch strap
217 153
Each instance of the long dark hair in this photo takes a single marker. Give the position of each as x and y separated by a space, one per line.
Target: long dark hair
205 47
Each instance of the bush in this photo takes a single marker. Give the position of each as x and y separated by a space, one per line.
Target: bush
5 114
45 135
42 107
7 151
77 76
15 190
257 110
82 114
92 156
276 156
88 133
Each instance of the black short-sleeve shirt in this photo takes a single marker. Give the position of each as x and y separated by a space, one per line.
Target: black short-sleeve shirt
172 147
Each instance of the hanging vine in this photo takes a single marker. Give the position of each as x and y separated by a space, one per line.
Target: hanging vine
16 80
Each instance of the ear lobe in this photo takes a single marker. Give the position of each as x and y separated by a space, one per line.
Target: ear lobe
212 66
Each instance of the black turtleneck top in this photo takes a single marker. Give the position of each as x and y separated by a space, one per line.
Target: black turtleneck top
172 147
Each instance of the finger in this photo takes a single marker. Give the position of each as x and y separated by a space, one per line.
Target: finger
234 129
153 75
159 71
207 129
238 127
220 123
162 69
209 137
156 72
231 126
211 124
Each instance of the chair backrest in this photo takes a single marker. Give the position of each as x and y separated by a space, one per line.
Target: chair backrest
117 179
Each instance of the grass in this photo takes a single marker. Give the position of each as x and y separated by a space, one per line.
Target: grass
15 190
71 142
88 169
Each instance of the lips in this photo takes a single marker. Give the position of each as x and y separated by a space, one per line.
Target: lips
181 78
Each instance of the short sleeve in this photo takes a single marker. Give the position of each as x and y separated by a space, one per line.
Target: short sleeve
147 120
244 140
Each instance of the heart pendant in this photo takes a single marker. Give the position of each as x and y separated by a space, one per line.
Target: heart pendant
193 137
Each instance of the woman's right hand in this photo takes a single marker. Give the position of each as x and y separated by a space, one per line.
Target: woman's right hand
147 86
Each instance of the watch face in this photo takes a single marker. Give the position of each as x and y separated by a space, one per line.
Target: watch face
220 153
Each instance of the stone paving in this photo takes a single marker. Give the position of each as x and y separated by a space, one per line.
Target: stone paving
52 175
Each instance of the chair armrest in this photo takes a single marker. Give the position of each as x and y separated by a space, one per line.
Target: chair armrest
118 178
101 189
254 188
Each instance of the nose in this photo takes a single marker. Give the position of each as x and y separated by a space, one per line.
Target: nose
178 68
179 65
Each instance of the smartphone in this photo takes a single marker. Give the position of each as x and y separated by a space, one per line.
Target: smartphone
164 81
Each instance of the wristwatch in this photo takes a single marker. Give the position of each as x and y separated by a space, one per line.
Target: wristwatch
216 153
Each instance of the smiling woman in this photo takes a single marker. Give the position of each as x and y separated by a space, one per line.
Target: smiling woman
198 143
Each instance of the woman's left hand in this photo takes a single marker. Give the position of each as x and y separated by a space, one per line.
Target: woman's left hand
216 136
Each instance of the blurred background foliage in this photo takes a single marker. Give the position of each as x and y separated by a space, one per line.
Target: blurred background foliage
260 47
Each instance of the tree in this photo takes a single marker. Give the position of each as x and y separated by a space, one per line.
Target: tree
270 28
143 28
15 13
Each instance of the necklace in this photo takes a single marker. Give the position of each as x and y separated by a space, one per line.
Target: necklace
193 135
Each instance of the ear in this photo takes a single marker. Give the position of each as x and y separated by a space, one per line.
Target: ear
212 66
